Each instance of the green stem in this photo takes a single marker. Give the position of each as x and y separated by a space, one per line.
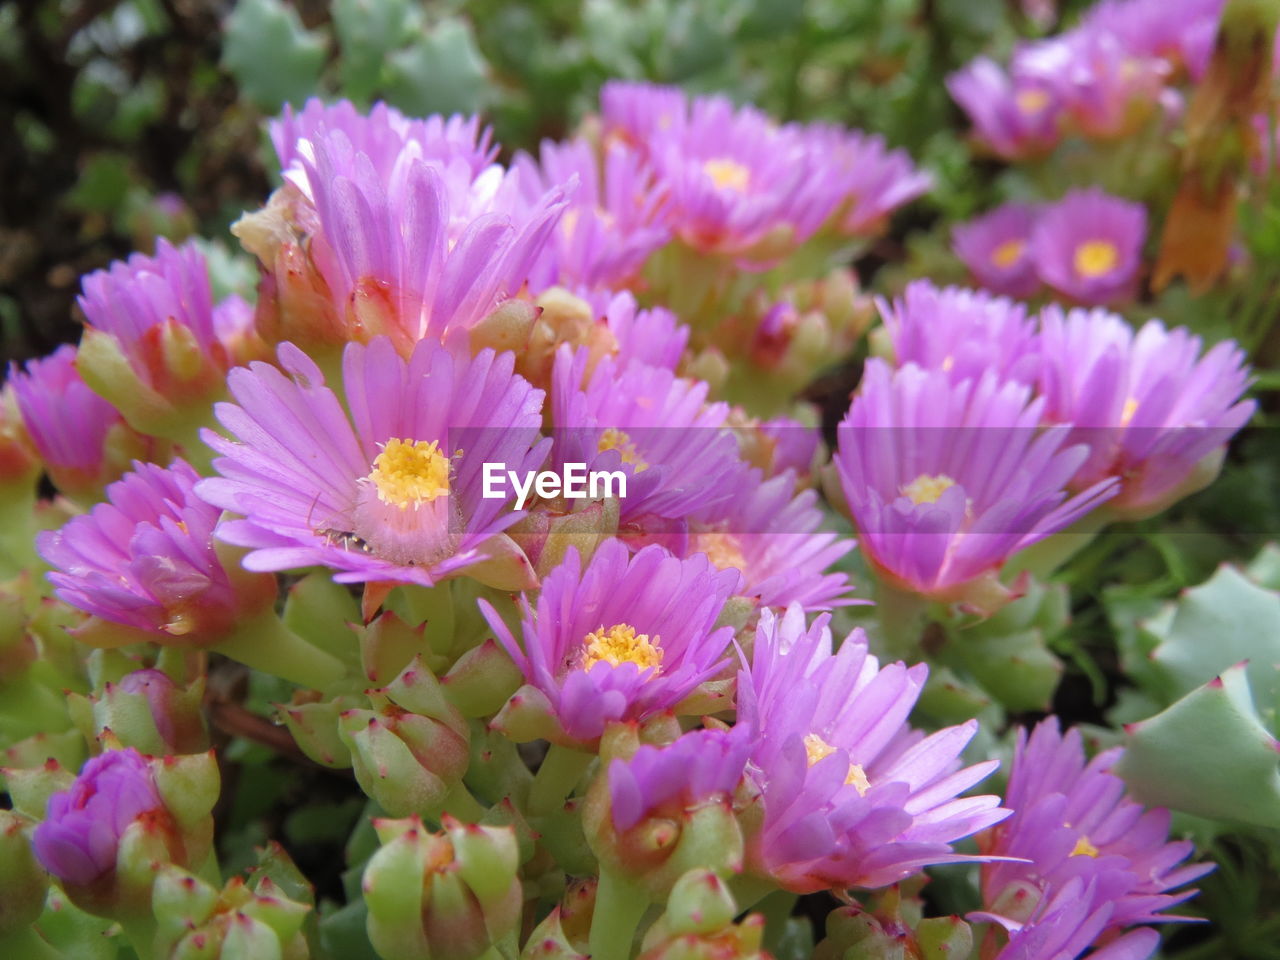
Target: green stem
141 934
620 905
28 945
459 802
1043 558
560 772
902 617
266 644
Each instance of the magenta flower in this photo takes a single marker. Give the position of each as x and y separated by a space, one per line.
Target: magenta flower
1179 31
697 768
1015 117
78 840
792 445
395 493
946 480
852 797
145 559
613 221
1074 824
624 639
636 112
874 180
1088 246
1151 409
963 333
996 247
653 337
656 428
769 534
73 429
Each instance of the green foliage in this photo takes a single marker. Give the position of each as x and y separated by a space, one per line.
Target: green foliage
273 57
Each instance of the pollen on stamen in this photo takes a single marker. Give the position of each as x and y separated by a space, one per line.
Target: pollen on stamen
727 174
1008 253
1084 848
817 749
621 644
614 439
410 473
927 488
721 548
1095 258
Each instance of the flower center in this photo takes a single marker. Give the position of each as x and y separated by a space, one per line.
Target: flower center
613 439
817 749
1084 848
1008 253
621 644
727 174
1096 257
410 473
1130 408
722 549
927 488
1032 100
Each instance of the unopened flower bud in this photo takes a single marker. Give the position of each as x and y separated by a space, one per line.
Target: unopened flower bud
698 924
146 710
23 883
441 896
237 923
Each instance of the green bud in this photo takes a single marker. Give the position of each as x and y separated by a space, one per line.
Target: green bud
944 938
322 612
698 924
315 728
528 715
23 882
387 645
549 942
853 934
31 787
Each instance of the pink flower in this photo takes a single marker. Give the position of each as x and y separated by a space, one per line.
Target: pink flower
996 248
1016 118
1088 246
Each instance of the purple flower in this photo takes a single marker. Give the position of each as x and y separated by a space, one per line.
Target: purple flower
145 559
770 535
81 832
654 427
1149 406
996 248
873 179
852 796
1016 117
636 112
393 493
945 480
1074 824
963 333
70 425
1179 31
613 221
697 768
1088 246
653 337
624 639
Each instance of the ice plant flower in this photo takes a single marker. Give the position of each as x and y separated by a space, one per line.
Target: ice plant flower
946 480
655 427
621 639
636 112
80 836
1155 413
1015 117
1088 246
81 438
145 560
963 333
613 221
1074 824
874 180
996 247
845 793
1180 32
393 493
770 535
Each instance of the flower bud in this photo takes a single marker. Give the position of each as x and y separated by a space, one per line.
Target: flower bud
316 728
146 710
237 923
23 883
481 681
412 748
698 924
448 895
851 932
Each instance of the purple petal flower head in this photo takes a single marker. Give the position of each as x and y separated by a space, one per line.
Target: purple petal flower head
700 767
1106 90
963 333
78 840
1088 246
635 112
1016 117
792 445
1155 413
145 559
874 180
1075 825
1178 31
613 221
395 492
770 535
652 337
654 427
996 247
80 436
624 639
946 480
852 796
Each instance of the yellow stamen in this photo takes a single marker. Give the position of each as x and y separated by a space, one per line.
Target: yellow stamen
727 174
1084 847
1008 253
1031 101
947 363
410 472
1096 257
1130 408
927 489
613 439
722 549
817 749
621 644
